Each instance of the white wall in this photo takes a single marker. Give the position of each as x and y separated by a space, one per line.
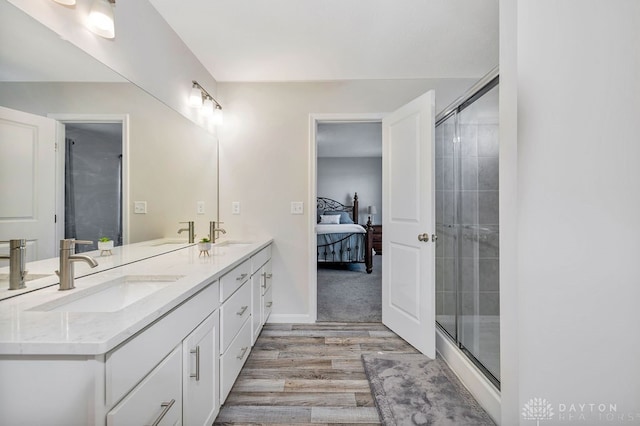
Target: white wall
339 178
264 163
145 50
172 160
571 282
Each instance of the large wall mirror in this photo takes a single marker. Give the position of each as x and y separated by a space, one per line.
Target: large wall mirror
118 144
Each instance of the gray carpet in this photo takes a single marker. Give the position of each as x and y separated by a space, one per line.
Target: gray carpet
349 294
412 389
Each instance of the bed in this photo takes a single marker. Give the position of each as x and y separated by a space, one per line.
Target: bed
340 242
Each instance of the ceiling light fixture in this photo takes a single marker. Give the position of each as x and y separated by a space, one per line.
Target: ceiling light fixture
210 107
101 19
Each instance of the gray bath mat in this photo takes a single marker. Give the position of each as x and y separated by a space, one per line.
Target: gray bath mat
411 389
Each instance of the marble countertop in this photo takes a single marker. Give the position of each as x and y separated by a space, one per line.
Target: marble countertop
28 331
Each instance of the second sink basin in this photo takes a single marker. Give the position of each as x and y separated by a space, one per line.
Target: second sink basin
110 296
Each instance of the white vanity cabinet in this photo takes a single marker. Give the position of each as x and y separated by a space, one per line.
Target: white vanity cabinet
261 300
235 334
170 359
156 400
200 375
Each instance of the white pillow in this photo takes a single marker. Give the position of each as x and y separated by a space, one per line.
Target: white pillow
330 218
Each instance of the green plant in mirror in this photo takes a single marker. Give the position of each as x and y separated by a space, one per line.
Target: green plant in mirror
104 239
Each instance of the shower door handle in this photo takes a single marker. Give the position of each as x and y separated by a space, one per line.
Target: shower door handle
423 237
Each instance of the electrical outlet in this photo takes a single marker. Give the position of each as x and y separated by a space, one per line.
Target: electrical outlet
235 207
200 207
140 207
297 207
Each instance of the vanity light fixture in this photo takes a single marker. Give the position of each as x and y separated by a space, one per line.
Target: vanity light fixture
210 107
66 2
101 19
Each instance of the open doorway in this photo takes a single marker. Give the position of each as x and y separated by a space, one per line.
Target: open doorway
348 164
92 188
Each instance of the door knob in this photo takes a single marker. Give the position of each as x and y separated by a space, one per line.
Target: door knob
423 237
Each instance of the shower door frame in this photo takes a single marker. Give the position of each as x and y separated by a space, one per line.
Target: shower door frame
487 83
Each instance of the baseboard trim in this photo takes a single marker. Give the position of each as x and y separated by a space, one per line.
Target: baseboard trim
290 319
480 387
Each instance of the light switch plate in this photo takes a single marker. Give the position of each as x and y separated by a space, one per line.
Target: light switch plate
140 207
235 207
200 207
297 207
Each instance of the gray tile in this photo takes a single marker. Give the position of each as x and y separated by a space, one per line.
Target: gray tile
439 274
488 207
489 274
468 275
488 141
468 140
448 173
439 206
448 132
449 303
449 274
470 301
439 173
439 139
490 303
470 176
488 173
489 243
448 207
469 207
469 243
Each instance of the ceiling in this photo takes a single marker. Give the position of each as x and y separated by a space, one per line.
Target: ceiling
307 40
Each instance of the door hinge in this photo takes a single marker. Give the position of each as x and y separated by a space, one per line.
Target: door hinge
55 218
55 146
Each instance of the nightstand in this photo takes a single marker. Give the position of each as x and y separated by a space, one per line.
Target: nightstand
377 238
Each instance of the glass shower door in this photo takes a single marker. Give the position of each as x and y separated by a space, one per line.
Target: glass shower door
467 222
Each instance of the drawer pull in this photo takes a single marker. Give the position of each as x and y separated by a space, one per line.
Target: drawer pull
197 352
241 277
242 311
166 407
269 304
242 352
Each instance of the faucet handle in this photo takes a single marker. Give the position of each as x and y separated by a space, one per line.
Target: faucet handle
69 243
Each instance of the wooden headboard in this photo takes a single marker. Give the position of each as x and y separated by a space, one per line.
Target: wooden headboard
327 204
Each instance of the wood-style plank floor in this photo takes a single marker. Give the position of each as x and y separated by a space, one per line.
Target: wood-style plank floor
303 374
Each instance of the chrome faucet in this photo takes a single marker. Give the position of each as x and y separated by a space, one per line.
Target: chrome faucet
16 263
213 230
190 228
67 257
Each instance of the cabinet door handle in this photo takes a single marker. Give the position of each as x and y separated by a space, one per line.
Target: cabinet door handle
242 352
241 277
264 280
197 352
242 311
269 304
166 406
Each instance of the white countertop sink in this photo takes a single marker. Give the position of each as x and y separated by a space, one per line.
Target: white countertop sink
110 296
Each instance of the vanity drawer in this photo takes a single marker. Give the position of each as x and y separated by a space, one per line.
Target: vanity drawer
260 258
157 397
234 314
231 281
130 362
267 301
233 359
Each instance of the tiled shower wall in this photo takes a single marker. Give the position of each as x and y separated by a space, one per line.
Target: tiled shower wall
467 175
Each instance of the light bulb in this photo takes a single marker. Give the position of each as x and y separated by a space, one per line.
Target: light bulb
101 19
218 116
195 97
207 107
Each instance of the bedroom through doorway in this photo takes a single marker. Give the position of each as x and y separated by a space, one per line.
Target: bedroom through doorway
348 221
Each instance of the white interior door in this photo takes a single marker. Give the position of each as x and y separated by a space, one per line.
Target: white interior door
27 173
408 264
